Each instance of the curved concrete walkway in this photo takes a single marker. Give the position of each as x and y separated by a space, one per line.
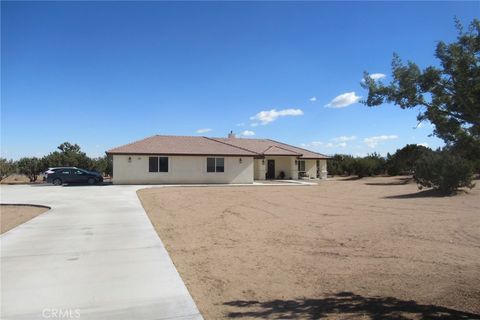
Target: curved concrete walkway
94 255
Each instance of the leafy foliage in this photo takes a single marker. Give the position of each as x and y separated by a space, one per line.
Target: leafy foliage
341 165
69 155
449 95
443 171
372 164
403 160
29 167
7 167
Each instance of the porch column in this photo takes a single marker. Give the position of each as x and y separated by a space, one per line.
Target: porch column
262 168
294 168
323 169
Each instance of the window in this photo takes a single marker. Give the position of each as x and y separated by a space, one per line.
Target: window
163 164
301 165
215 165
157 164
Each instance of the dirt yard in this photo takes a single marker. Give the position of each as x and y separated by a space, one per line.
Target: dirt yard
373 248
12 215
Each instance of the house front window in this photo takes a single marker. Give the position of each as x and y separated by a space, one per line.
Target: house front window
215 165
301 165
157 164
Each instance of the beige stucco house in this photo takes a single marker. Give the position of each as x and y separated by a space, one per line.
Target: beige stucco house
185 159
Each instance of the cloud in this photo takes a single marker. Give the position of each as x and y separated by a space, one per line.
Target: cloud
372 142
247 133
376 76
424 144
342 144
344 138
343 100
241 124
203 130
255 124
265 117
313 99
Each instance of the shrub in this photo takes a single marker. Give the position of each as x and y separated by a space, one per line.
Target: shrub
340 165
7 167
29 167
443 171
403 160
372 164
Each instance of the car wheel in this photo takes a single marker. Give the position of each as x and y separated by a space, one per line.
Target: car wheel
57 182
91 180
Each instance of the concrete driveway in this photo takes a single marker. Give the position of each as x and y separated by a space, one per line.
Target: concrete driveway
94 255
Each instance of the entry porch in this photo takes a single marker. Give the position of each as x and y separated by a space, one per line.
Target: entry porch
289 167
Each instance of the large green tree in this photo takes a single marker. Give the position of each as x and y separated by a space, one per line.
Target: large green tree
68 155
447 95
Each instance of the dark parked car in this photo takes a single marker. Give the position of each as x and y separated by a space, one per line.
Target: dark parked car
52 170
74 175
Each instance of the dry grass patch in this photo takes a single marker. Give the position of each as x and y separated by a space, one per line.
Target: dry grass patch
14 215
369 248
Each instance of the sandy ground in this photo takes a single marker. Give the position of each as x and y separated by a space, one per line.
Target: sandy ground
19 179
373 248
12 215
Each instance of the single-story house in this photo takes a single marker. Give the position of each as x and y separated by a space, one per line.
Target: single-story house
184 159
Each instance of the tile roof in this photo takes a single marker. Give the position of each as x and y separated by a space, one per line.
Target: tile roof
180 145
266 146
195 145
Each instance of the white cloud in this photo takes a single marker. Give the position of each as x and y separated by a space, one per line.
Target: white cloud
323 144
255 124
372 142
247 133
265 117
424 144
376 76
344 138
343 100
241 124
204 130
313 99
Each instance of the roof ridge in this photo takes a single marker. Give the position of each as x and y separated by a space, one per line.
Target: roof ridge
136 141
267 149
323 155
231 145
286 148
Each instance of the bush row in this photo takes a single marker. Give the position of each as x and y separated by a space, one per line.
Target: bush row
443 169
67 155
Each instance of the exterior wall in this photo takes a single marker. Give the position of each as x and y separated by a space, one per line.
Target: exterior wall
260 169
181 169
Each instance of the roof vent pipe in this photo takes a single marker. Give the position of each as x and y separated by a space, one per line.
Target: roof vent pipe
231 135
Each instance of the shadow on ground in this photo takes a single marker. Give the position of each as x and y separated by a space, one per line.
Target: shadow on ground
347 304
398 182
430 193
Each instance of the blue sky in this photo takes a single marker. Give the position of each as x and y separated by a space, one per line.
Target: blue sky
102 74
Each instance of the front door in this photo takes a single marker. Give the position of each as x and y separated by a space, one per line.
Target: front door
270 169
